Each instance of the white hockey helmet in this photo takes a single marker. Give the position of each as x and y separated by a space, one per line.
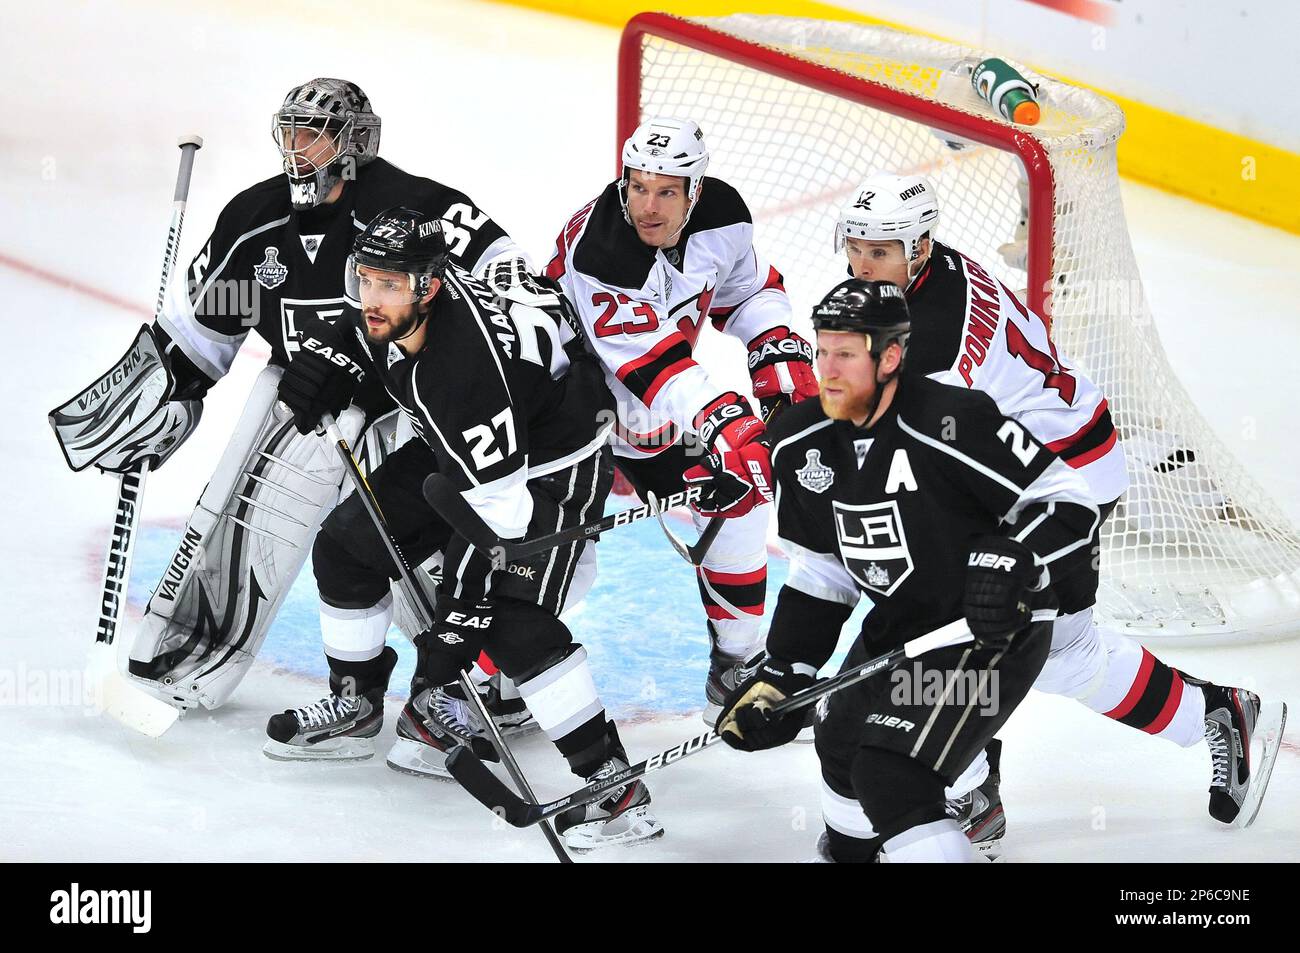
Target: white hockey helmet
889 207
666 146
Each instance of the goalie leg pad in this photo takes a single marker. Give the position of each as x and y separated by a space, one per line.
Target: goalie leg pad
239 554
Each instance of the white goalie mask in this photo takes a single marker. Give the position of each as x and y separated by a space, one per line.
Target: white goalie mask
666 146
890 207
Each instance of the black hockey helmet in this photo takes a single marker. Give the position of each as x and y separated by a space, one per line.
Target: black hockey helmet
874 308
401 240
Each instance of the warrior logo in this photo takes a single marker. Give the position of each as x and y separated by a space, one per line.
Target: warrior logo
873 545
270 274
814 475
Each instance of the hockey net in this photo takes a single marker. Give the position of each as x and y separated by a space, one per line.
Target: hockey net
797 112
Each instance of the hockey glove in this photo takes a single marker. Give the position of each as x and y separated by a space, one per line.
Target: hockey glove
1000 575
451 645
781 369
746 721
320 379
736 475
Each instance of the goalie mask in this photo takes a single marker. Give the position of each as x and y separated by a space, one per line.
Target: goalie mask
325 130
666 147
890 208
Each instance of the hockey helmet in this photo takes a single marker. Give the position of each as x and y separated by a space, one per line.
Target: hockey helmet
889 207
666 146
400 240
876 309
333 111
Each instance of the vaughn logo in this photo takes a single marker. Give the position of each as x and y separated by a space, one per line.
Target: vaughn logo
75 906
873 544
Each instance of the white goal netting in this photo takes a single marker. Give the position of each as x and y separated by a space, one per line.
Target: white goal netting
1196 549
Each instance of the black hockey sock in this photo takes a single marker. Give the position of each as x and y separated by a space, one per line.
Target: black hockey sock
352 679
852 850
896 792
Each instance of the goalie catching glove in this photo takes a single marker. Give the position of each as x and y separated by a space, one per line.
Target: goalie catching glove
746 721
781 370
321 378
736 475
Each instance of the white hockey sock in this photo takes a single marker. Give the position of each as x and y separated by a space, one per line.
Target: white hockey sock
939 842
356 635
564 696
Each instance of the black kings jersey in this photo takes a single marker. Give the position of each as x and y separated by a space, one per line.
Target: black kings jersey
969 330
889 512
500 396
271 268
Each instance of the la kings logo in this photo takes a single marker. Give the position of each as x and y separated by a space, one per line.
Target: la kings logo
815 475
873 545
270 274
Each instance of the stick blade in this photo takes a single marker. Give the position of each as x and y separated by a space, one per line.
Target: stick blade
124 702
451 506
485 787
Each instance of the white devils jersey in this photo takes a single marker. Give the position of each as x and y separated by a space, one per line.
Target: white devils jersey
969 330
643 308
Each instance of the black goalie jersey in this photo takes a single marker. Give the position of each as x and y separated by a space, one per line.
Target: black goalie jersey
274 269
889 512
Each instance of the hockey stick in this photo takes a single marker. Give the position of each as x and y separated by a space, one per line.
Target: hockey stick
130 705
443 496
421 601
488 790
692 554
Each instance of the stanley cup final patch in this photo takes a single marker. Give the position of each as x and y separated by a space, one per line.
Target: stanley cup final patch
270 274
815 475
873 546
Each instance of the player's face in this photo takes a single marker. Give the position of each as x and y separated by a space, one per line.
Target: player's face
877 261
388 304
847 375
307 148
657 205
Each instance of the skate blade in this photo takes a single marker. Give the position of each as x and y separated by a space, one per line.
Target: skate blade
418 760
710 714
642 827
530 727
1268 732
339 749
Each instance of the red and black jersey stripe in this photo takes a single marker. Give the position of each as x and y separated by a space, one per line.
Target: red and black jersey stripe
646 375
1090 442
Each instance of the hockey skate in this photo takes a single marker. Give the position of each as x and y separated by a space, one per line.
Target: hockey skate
336 728
434 721
623 817
1244 737
980 813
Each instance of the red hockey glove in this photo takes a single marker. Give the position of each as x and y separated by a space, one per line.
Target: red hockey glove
781 369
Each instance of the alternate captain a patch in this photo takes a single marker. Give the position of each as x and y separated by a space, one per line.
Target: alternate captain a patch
270 274
873 545
815 475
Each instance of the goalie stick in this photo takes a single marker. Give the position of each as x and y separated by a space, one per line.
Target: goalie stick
443 496
488 790
131 706
424 608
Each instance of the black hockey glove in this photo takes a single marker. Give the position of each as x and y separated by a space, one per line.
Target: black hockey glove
321 378
745 721
455 639
1000 574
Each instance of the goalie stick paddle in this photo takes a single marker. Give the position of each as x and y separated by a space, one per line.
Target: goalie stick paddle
443 496
487 789
424 607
